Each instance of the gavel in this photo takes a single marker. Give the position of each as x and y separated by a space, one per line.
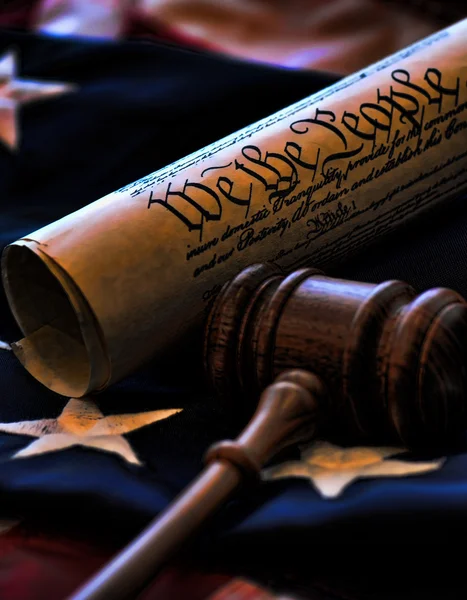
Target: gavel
377 362
393 362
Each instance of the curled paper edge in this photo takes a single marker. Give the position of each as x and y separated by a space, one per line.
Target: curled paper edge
66 352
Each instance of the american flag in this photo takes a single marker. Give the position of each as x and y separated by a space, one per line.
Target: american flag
334 35
84 111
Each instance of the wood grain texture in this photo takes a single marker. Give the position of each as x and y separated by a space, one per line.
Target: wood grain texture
393 361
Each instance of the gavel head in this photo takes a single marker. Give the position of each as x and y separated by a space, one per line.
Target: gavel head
394 362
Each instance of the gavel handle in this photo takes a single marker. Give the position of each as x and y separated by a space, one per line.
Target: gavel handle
285 415
147 553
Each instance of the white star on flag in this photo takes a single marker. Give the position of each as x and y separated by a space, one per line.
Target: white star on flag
15 91
330 469
81 423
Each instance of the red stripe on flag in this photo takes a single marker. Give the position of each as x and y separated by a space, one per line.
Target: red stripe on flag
38 563
18 14
138 25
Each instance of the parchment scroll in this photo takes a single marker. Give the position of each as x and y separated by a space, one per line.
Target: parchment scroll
108 287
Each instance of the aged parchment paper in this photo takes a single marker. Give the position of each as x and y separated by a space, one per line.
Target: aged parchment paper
106 288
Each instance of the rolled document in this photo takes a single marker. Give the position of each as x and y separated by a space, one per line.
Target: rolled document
105 289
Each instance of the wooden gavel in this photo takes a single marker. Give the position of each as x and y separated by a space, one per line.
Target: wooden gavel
378 362
394 362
